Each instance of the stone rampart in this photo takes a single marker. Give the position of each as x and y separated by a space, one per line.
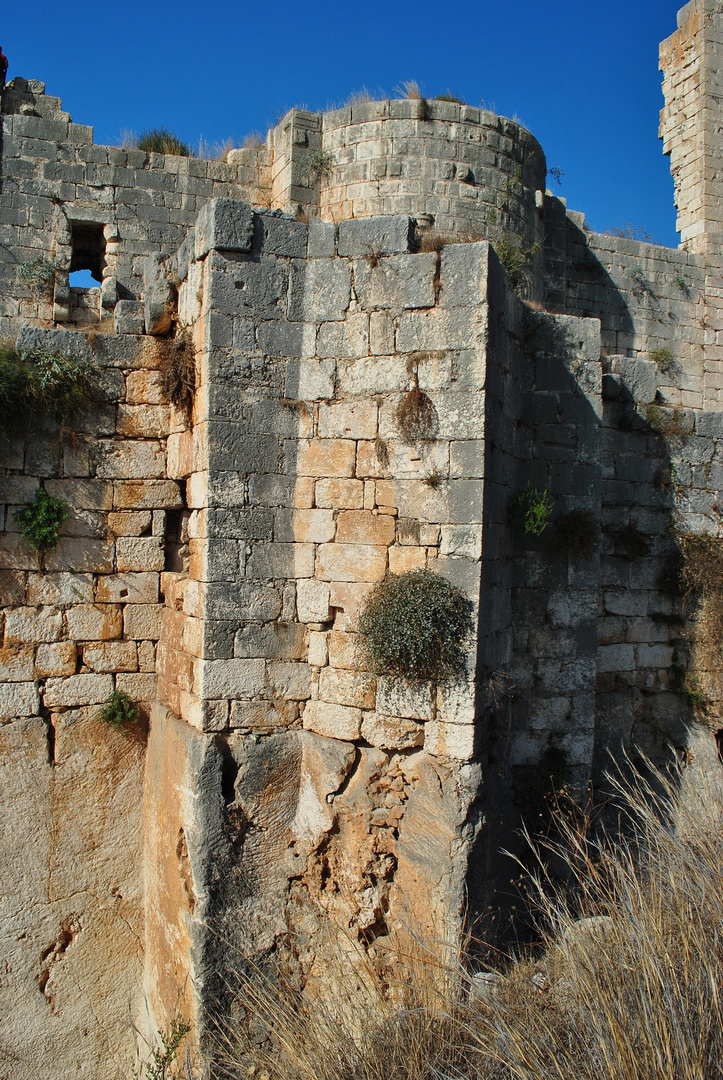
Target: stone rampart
215 561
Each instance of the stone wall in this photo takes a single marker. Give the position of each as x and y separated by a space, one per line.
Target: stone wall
215 564
74 629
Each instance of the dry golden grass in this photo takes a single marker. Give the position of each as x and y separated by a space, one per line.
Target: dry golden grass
628 986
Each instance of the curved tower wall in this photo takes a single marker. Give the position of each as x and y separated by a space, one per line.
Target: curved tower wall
467 169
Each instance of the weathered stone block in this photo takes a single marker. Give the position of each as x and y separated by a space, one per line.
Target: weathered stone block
310 380
273 641
312 601
339 494
137 460
77 690
455 741
319 291
128 316
245 601
224 224
139 553
131 588
365 527
391 732
322 457
143 421
343 649
60 590
313 526
19 699
111 656
29 625
342 687
16 664
322 239
375 236
332 721
141 687
281 560
59 658
94 622
412 700
230 678
151 494
290 681
348 420
351 562
130 523
461 541
317 654
406 557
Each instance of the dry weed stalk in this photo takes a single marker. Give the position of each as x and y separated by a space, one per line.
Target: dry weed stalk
177 367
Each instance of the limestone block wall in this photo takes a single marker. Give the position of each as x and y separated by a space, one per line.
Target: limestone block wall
54 177
72 631
457 167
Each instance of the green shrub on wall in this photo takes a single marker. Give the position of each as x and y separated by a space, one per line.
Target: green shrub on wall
40 521
415 626
38 382
119 710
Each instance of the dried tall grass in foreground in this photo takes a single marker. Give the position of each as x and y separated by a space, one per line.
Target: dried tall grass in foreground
628 986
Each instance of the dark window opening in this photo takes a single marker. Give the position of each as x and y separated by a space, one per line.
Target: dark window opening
88 254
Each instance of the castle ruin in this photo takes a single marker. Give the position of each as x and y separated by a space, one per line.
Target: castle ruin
215 561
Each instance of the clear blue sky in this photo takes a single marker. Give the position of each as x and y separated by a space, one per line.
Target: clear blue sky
581 76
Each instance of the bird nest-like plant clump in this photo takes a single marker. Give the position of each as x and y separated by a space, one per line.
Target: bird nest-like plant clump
415 626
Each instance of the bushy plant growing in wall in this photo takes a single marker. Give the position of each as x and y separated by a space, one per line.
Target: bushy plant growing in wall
161 141
531 509
38 382
40 521
415 626
119 710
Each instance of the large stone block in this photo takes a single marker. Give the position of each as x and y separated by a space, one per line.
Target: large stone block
398 282
237 678
344 687
365 527
131 460
319 291
77 690
312 601
375 236
29 625
281 560
60 590
348 420
411 700
58 658
94 622
391 732
107 656
148 494
339 494
321 457
19 699
16 664
139 553
332 721
351 562
312 526
224 224
130 588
